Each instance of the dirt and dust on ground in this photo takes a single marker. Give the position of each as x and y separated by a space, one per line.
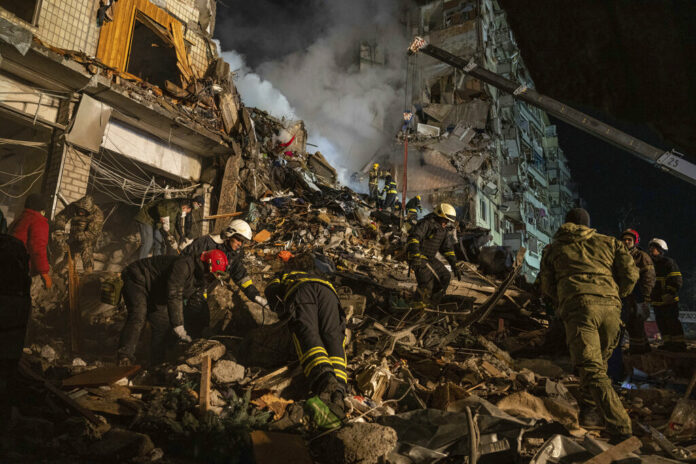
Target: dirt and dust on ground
481 377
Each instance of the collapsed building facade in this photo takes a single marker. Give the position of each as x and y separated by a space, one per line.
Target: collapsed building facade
126 101
495 158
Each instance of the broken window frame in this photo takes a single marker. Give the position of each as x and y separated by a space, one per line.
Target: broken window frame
35 17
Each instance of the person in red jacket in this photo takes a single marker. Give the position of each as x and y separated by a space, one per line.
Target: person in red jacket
31 227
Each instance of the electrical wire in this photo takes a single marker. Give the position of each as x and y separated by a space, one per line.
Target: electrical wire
38 173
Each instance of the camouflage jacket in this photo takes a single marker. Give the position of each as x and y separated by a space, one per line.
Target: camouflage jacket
82 228
580 261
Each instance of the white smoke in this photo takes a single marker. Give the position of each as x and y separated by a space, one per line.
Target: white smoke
349 113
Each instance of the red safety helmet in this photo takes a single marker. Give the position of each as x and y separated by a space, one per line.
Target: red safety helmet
632 232
216 260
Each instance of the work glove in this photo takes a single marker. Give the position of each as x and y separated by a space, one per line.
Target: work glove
181 333
261 300
457 273
165 223
643 310
48 283
668 298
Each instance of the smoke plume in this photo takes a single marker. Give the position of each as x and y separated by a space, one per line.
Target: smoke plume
305 58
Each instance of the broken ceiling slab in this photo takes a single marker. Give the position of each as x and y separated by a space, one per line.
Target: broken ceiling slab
437 111
16 36
89 124
428 130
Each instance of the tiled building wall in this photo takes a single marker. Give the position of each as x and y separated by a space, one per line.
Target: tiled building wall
73 184
69 24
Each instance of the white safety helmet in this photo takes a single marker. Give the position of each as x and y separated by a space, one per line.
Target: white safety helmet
446 211
659 243
237 227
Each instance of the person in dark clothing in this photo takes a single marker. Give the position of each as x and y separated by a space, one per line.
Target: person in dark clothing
413 208
15 307
428 237
318 324
154 289
664 297
231 242
390 191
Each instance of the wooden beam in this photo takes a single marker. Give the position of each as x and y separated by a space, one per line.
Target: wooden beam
74 305
204 396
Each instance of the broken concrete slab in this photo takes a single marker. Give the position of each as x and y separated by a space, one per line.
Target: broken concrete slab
226 371
201 348
357 443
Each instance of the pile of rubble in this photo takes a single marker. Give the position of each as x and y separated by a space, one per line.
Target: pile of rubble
475 379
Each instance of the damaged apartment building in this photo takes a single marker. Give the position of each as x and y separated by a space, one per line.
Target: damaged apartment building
495 158
125 100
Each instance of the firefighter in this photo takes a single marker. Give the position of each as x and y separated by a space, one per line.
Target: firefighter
585 274
428 237
664 297
231 241
390 192
373 182
86 222
413 208
154 289
317 323
636 310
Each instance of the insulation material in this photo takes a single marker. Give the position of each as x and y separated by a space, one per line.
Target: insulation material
91 119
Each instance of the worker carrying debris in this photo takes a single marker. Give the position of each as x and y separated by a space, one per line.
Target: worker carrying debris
31 227
636 309
231 242
165 222
317 323
154 289
664 297
428 237
586 274
373 182
86 222
390 192
413 208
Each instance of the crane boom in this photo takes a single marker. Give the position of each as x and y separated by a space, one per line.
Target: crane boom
670 161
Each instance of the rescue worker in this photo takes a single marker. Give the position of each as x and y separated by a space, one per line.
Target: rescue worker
317 324
664 297
390 192
413 208
428 237
636 310
86 222
154 289
31 227
585 274
159 220
231 242
373 182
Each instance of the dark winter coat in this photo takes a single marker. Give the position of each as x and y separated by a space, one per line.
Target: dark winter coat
428 237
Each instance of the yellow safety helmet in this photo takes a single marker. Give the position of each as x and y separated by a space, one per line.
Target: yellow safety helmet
375 166
447 211
418 197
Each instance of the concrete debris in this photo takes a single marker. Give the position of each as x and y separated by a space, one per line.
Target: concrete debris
357 443
202 348
226 371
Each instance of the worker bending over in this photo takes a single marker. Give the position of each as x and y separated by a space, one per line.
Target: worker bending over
428 237
413 208
390 192
317 323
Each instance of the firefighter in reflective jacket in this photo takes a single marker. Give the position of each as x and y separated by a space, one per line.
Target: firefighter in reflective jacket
413 208
664 297
429 236
373 181
390 191
317 323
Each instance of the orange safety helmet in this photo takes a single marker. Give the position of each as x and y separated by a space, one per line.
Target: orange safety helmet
216 260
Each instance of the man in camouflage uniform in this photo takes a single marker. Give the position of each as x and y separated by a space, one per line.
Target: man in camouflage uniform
86 222
586 274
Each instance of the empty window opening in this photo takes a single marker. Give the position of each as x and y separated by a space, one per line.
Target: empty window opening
152 57
24 9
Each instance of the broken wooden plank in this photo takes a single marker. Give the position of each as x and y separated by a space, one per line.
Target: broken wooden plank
204 396
87 414
101 376
616 452
74 306
276 377
223 216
